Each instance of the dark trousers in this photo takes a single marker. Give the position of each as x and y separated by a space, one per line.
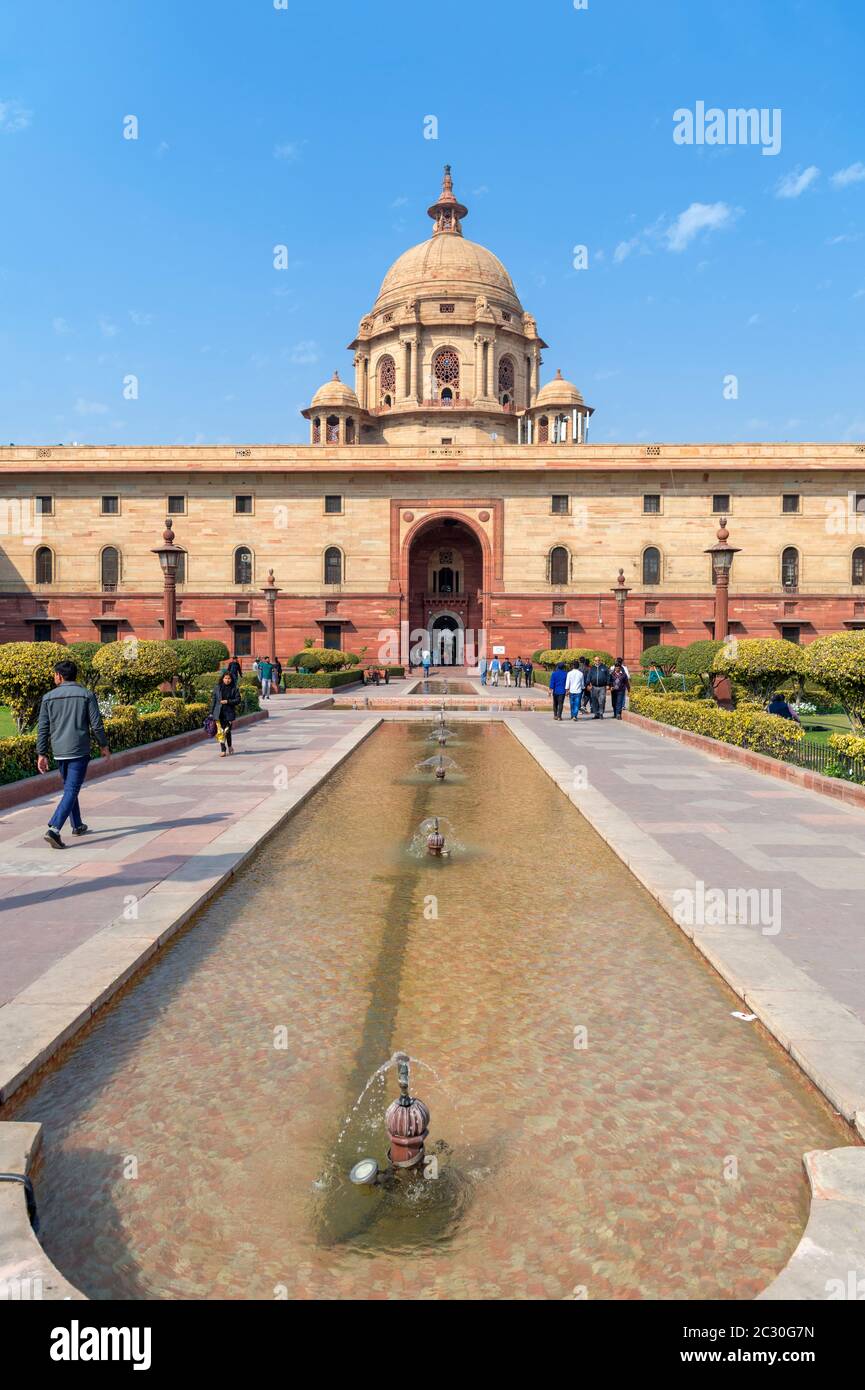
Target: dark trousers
73 771
528 675
518 677
225 726
599 700
618 702
558 705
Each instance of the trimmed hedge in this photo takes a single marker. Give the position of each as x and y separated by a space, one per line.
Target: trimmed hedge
553 656
126 729
662 655
323 659
322 680
849 745
745 728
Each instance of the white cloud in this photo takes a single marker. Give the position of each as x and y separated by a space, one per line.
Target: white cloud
289 151
754 319
140 320
304 353
844 236
83 407
399 202
13 117
698 218
624 249
854 173
107 328
61 327
794 184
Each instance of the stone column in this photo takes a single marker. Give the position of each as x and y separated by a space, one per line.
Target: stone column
479 358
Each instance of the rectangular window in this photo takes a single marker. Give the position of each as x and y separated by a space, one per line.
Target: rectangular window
108 632
44 506
243 639
110 505
651 503
791 634
181 630
860 502
42 632
651 636
176 505
449 440
560 503
243 504
558 637
333 505
790 503
332 636
721 502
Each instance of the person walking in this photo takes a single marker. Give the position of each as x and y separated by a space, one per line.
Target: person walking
620 684
68 715
495 668
599 679
235 669
482 670
574 685
518 672
558 685
528 672
507 668
425 662
277 674
223 708
265 675
584 667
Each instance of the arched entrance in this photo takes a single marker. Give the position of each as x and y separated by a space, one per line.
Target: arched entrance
445 573
447 640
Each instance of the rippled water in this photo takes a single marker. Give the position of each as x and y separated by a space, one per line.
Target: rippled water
184 1133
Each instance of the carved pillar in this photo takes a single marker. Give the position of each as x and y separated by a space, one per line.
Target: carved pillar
479 358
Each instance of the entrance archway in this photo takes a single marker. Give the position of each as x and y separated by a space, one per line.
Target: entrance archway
445 582
447 640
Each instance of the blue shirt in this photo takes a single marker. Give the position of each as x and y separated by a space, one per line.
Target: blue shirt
558 681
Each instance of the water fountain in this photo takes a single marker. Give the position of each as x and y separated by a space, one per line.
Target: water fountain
441 771
406 1121
435 843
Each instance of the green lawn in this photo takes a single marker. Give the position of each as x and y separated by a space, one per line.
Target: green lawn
7 723
826 724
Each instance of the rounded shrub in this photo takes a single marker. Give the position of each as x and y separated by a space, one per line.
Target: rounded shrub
324 659
550 658
760 664
26 674
663 656
837 663
132 667
195 655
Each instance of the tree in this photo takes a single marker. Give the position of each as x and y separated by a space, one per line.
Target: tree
761 664
26 674
696 660
195 656
837 662
132 668
662 656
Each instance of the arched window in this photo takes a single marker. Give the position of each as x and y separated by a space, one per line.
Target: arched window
386 381
243 565
651 565
332 433
316 431
506 381
44 565
333 565
446 373
790 568
543 430
857 575
349 431
110 567
559 565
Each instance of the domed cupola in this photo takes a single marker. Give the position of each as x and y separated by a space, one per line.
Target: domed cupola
558 415
334 414
447 333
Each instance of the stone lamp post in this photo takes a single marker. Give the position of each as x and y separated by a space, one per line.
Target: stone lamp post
270 590
722 562
169 558
621 591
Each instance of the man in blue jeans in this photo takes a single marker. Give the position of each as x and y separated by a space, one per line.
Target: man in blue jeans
67 716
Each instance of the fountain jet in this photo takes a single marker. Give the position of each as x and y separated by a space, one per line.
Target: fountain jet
406 1122
435 841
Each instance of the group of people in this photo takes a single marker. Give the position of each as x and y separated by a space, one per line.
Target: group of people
586 684
518 671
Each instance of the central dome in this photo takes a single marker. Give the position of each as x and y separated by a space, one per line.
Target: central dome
447 265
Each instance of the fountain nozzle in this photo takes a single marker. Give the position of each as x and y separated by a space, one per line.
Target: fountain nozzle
406 1121
440 770
435 842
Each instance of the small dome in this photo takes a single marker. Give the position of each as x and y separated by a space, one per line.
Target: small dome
335 392
559 392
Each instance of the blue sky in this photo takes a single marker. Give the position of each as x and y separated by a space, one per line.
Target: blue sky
305 126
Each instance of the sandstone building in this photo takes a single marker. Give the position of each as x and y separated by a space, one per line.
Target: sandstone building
447 490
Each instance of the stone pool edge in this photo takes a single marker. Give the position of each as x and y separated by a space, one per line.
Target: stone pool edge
824 1038
63 1000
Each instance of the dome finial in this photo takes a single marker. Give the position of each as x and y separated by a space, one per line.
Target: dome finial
447 212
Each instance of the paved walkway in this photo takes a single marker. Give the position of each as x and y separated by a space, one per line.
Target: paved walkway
153 827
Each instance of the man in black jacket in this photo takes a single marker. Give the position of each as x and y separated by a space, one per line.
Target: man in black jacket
599 679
